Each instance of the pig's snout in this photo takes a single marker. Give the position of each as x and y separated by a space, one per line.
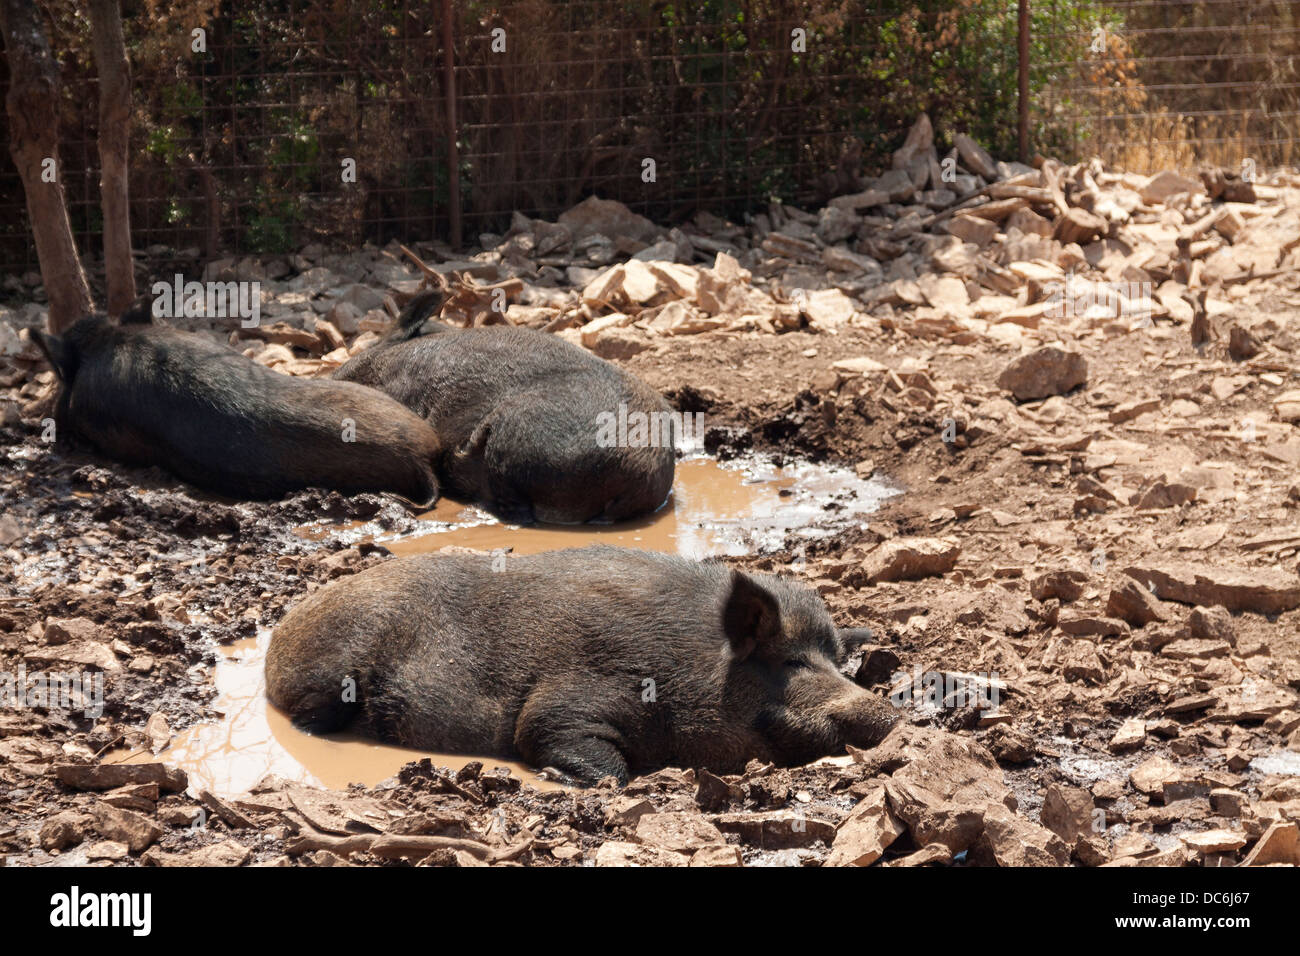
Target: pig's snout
860 717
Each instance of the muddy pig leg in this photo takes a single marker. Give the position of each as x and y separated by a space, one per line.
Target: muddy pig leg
557 732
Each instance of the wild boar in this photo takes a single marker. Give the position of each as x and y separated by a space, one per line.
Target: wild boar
594 662
149 395
524 418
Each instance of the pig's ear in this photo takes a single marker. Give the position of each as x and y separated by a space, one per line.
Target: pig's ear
751 617
140 313
56 353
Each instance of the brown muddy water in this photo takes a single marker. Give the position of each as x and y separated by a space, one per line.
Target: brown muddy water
744 507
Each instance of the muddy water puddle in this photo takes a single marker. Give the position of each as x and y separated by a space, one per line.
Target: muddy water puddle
746 507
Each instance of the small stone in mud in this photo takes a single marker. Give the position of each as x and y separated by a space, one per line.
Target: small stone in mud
64 830
908 559
1047 371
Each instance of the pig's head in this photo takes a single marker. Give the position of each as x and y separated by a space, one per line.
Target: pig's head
64 352
782 672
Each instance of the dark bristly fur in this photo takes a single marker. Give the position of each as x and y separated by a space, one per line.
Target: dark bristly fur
549 660
148 395
517 413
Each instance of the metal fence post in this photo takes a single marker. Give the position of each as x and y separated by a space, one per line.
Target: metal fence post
453 150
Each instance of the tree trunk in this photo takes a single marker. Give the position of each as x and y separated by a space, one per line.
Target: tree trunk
33 107
114 143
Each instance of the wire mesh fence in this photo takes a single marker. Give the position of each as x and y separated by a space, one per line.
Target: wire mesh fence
286 122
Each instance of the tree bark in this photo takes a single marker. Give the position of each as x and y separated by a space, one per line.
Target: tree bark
33 107
114 150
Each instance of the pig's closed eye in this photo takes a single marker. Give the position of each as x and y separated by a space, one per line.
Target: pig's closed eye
797 663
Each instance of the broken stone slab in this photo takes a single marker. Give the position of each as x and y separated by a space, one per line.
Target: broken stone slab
776 829
1279 844
827 309
1064 585
125 826
620 853
1215 841
974 157
1260 590
1012 840
607 217
1079 225
679 832
865 834
109 776
1068 812
969 228
946 787
1131 602
1165 184
908 559
1050 370
1130 735
920 140
861 201
227 853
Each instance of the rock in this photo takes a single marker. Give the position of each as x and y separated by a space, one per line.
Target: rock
920 139
896 184
934 853
680 832
1086 625
619 344
1131 602
908 559
1131 735
974 157
1011 745
972 229
1153 775
1242 345
1159 494
78 630
134 829
728 856
227 853
1064 586
1127 411
1212 623
607 217
1228 803
835 224
1047 371
878 664
866 832
64 830
1080 661
1079 225
1068 812
1160 187
112 775
1279 844
828 309
1215 841
1011 840
860 202
1260 590
617 853
943 792
625 811
776 829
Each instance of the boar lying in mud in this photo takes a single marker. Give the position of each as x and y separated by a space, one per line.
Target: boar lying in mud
149 395
519 413
593 662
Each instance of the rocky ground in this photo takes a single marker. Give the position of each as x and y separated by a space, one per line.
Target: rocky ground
1083 380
